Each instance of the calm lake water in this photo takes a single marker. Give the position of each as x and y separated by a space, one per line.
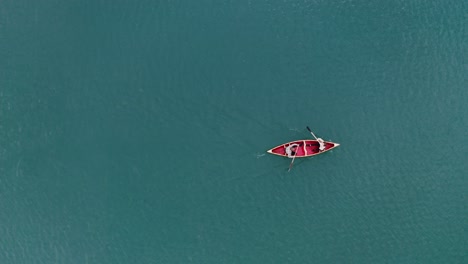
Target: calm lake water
135 132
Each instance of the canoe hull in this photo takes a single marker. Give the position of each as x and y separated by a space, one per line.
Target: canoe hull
307 148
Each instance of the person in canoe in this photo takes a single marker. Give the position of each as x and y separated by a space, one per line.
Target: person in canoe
322 144
291 150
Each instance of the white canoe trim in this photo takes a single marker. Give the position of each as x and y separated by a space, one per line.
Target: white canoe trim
303 140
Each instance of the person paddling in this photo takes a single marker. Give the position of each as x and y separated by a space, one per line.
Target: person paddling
322 144
291 150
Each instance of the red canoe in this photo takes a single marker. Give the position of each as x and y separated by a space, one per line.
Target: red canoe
305 148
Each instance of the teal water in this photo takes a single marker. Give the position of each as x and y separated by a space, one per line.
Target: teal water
135 132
